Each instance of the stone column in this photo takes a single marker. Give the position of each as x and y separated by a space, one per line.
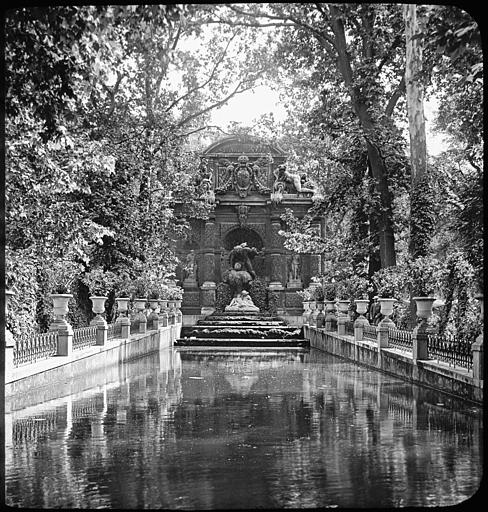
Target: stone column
382 335
208 297
276 257
477 348
59 324
208 270
316 259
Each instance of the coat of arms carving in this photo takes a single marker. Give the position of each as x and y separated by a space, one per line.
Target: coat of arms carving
242 176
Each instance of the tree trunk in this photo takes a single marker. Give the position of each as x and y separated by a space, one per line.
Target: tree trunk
377 163
421 219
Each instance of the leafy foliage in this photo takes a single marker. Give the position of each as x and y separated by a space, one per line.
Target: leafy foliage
223 296
258 293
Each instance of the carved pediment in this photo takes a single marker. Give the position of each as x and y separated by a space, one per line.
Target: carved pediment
243 145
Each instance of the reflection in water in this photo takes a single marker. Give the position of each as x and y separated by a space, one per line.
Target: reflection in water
247 429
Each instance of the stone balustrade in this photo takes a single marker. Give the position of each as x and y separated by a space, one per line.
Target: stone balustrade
421 344
33 353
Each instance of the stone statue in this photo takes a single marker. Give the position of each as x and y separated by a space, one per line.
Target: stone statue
294 279
242 253
205 187
283 176
191 266
238 279
191 270
295 268
242 302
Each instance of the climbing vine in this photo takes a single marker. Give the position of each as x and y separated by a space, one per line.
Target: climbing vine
223 296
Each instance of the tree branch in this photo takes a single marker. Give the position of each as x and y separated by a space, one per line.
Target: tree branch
388 53
209 79
206 127
395 96
320 35
112 92
220 102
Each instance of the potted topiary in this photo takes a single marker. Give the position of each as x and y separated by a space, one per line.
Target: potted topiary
122 287
306 296
389 283
60 276
154 305
139 293
424 274
175 296
318 297
98 282
343 298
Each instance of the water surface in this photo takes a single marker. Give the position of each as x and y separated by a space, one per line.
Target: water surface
244 429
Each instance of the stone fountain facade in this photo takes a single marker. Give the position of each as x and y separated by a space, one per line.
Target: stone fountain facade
248 183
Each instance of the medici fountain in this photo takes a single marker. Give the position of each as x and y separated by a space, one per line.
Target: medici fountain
238 274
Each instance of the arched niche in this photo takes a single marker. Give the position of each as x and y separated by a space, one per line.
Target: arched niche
242 234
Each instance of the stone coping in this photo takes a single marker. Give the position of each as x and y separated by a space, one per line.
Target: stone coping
44 365
443 368
457 381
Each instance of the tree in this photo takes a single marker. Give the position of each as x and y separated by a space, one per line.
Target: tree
96 132
362 42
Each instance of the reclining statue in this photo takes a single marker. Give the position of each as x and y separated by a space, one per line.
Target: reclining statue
242 302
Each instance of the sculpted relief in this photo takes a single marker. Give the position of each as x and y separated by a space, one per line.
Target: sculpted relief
242 176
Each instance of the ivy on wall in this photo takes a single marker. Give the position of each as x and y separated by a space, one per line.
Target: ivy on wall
223 296
258 292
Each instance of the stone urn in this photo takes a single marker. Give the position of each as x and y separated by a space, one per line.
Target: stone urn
424 306
153 317
163 313
343 306
178 313
140 304
154 304
320 319
172 311
306 311
313 308
330 317
60 310
361 309
98 307
386 309
122 306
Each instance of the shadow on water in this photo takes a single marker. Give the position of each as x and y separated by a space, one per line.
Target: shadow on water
201 429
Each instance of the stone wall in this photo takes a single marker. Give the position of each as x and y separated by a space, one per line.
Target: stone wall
455 381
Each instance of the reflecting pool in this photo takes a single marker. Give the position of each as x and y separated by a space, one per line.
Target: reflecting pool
222 429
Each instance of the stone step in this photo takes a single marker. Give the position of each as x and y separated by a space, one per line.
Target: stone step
244 342
229 315
241 322
241 326
240 331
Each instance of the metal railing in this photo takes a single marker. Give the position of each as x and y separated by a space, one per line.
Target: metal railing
84 337
400 339
453 350
369 332
26 430
114 330
29 348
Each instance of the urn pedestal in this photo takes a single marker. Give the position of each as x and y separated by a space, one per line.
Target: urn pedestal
140 305
122 318
98 307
